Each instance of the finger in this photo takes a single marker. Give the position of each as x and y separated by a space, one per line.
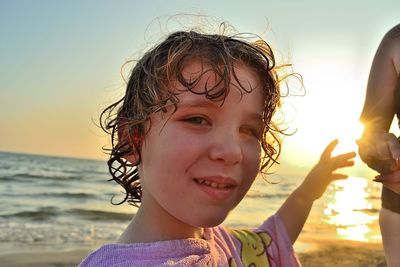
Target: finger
326 154
364 142
344 164
394 146
393 177
383 166
382 148
339 176
359 142
364 149
383 151
343 160
344 157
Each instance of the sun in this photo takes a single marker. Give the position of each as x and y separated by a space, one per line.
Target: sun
312 132
348 135
329 110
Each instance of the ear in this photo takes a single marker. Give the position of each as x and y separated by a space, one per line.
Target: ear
130 140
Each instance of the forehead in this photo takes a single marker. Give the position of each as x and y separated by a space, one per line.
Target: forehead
243 88
200 77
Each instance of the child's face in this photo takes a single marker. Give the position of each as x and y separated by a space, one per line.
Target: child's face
198 163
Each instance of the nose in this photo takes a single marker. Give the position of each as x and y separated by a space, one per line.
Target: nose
226 148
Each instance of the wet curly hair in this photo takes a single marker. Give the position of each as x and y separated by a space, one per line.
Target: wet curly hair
148 91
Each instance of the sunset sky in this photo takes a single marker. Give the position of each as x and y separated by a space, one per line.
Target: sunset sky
60 64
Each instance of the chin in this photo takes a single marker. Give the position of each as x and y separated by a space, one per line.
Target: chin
210 221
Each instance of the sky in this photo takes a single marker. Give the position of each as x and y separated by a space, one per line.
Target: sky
60 64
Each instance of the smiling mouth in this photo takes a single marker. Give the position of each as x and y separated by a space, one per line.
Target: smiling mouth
213 184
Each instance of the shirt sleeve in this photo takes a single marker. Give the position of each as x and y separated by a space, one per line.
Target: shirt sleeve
280 251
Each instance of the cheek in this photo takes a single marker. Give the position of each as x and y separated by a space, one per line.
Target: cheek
254 155
171 150
184 146
252 160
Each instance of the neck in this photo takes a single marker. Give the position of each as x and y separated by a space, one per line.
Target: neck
149 226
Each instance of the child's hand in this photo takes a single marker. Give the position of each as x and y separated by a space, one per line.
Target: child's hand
322 174
295 209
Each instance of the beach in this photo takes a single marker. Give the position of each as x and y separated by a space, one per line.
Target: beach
343 253
53 211
43 258
327 253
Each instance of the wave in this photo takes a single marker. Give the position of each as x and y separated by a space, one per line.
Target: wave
11 179
70 195
47 213
54 195
98 215
42 214
55 177
253 194
52 177
86 172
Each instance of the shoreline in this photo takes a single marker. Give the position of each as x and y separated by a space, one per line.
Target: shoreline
315 253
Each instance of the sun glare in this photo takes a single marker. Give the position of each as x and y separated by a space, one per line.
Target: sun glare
348 133
319 117
350 210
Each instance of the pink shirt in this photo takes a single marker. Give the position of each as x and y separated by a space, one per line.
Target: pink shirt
267 245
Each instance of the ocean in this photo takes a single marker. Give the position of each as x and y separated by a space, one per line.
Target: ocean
54 203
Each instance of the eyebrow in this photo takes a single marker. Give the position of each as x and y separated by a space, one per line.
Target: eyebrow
204 103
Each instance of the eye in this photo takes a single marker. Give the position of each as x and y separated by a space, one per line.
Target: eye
196 120
251 131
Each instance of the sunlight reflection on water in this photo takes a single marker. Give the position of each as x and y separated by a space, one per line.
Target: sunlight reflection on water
351 210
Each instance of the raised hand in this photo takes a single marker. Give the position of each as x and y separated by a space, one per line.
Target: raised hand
295 209
324 173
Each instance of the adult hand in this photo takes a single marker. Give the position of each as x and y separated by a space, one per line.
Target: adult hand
380 151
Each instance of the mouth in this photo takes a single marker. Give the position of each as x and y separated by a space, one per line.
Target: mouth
217 188
214 184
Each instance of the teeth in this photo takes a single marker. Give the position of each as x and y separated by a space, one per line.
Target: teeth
212 184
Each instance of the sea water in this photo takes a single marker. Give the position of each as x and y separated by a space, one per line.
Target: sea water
65 203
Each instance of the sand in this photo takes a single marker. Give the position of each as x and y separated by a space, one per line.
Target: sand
344 254
43 259
321 254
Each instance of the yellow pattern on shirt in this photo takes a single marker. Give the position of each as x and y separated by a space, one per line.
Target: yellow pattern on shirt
254 248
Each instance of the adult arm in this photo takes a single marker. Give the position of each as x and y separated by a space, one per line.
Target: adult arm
377 146
379 106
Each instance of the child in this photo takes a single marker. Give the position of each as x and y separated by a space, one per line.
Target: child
189 137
